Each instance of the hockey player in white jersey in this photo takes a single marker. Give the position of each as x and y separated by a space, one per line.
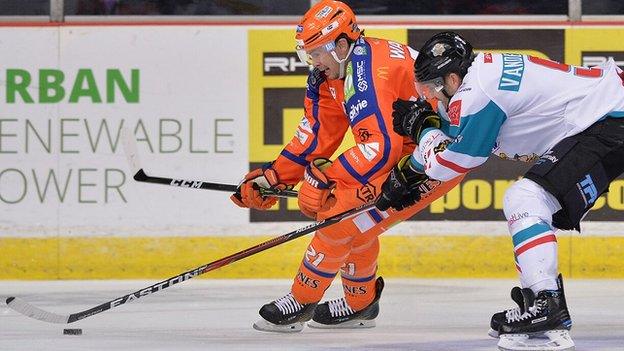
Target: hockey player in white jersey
568 119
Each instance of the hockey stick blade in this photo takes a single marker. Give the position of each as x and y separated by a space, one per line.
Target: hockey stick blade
31 311
23 307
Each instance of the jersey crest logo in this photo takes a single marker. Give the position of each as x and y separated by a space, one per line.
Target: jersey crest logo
454 112
487 57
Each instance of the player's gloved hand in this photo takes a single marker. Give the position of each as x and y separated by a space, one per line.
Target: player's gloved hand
410 118
315 194
403 187
249 194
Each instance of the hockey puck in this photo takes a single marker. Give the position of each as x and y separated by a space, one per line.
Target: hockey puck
72 331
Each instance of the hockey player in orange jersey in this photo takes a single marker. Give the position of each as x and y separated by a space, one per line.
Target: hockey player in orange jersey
353 83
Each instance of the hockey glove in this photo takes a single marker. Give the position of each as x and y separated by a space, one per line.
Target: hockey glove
315 194
403 187
249 193
410 118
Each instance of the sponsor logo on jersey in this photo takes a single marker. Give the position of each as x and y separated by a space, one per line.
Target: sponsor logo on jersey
362 84
349 89
396 50
356 108
462 89
454 112
513 69
367 193
363 134
359 51
370 150
354 156
303 137
283 64
487 57
596 58
305 125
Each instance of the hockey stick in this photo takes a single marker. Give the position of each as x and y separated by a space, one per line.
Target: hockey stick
31 311
141 176
132 155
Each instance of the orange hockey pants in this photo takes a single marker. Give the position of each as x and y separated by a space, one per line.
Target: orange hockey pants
352 245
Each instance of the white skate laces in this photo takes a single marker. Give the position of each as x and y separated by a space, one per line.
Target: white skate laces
288 304
516 315
339 308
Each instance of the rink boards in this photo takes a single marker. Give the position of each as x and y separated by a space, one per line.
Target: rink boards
208 102
441 256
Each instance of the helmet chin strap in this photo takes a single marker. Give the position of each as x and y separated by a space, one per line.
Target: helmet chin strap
447 94
342 62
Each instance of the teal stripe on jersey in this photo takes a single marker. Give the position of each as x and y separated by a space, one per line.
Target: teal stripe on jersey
445 127
416 164
478 132
528 233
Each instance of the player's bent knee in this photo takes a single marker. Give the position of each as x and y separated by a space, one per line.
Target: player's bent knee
527 201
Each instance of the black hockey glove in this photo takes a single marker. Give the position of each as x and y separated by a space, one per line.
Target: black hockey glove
403 187
410 118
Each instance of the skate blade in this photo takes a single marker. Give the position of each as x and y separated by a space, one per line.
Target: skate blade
263 325
493 333
354 324
553 340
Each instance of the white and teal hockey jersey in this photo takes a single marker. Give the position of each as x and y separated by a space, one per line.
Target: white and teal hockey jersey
517 107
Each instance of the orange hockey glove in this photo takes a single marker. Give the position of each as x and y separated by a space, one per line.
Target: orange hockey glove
315 194
248 194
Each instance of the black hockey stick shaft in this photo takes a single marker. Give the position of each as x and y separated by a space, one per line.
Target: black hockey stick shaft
141 176
37 313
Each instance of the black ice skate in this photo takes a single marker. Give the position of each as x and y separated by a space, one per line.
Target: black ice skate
337 314
284 315
543 316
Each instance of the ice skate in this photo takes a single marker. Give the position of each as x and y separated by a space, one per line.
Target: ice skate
539 323
337 314
284 315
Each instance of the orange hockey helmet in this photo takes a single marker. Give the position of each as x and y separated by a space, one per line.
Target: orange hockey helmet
323 24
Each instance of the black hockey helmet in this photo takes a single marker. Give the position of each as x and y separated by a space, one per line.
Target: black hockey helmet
445 52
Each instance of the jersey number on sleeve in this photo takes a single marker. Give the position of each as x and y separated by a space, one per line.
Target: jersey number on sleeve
578 71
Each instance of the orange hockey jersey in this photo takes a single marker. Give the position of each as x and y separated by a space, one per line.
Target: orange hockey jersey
378 72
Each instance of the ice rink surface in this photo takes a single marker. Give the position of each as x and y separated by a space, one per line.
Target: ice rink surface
427 315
